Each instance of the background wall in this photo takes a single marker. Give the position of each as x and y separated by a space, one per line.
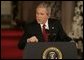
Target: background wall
6 8
6 13
67 14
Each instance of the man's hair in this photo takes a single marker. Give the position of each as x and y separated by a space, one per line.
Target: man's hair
46 6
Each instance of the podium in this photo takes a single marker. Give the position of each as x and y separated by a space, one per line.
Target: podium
50 50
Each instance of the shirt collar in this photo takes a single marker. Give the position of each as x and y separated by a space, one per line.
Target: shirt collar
47 27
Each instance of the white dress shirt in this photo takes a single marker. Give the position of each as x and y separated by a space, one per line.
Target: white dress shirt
46 25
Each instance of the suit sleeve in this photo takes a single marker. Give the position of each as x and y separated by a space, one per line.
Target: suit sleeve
26 35
62 35
22 42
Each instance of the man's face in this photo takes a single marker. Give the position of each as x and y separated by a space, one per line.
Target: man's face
41 15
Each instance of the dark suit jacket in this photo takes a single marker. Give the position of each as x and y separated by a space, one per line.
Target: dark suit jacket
33 29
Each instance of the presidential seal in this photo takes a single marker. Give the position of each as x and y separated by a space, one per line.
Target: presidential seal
52 53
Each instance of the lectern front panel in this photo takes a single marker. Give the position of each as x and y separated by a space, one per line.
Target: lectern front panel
43 50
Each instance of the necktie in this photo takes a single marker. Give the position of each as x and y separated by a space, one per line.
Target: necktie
45 36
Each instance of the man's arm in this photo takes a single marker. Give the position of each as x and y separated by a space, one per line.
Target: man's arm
26 35
22 42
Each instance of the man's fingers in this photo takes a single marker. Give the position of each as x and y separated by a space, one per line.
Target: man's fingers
32 39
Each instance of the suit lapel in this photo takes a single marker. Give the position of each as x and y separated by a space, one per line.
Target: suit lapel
51 30
51 26
39 32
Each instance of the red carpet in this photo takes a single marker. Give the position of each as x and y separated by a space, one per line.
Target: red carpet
9 42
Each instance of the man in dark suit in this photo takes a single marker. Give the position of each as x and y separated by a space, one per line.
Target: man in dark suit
34 31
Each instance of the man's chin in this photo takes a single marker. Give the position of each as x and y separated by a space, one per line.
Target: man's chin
40 22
